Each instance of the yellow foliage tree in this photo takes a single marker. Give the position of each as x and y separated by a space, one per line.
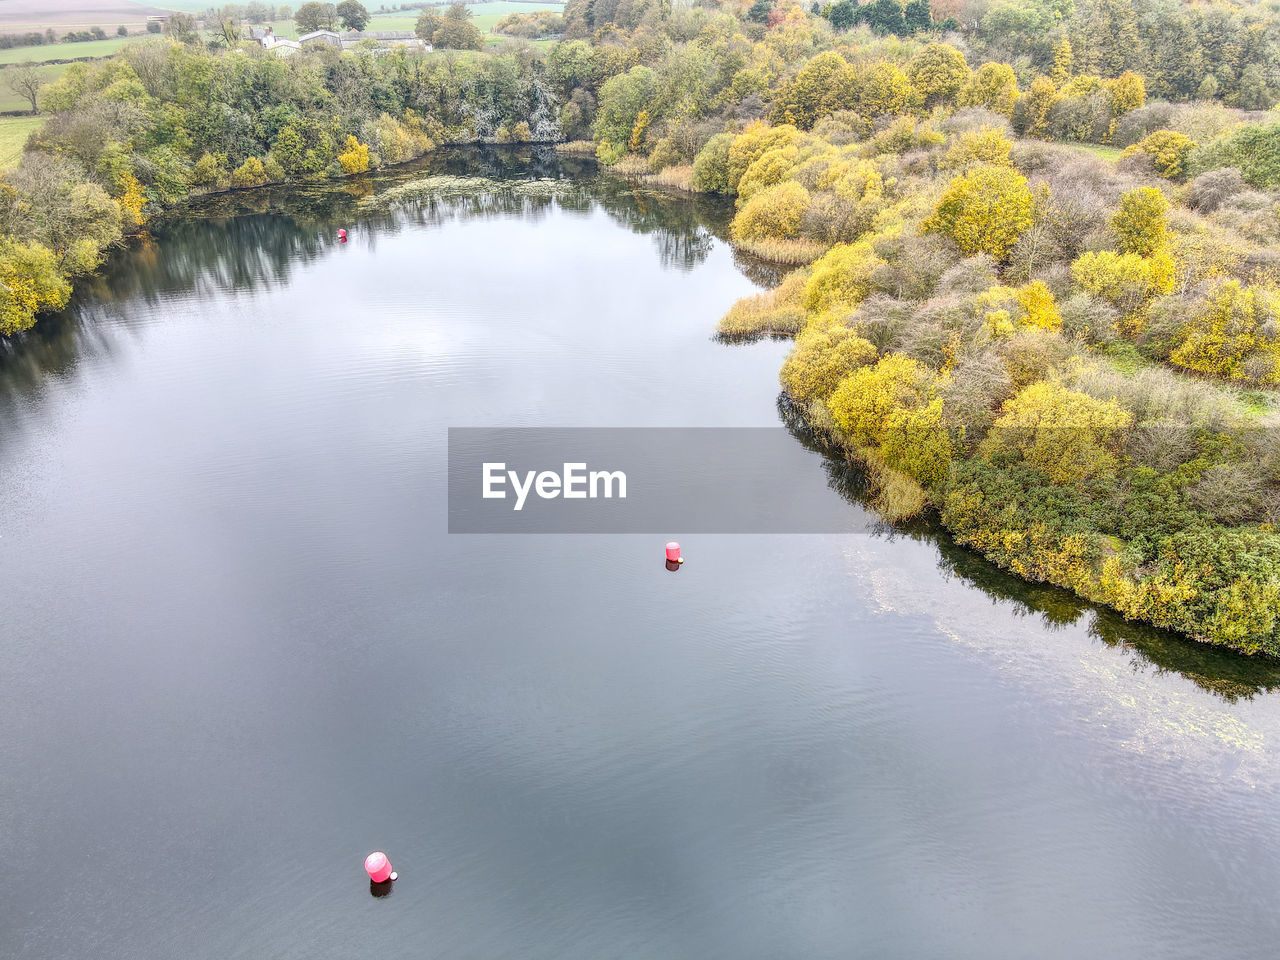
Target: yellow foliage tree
994 86
1142 222
1068 435
984 211
355 157
132 200
30 282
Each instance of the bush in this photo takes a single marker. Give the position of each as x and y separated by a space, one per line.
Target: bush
841 277
984 211
1067 435
1253 148
821 360
1170 152
1211 190
774 213
863 402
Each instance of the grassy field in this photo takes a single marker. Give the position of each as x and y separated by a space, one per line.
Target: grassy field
13 134
68 51
1105 152
10 101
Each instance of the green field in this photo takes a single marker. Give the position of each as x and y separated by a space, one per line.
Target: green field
10 101
13 134
68 51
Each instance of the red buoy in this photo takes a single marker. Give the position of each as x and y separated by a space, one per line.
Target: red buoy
378 867
342 235
673 552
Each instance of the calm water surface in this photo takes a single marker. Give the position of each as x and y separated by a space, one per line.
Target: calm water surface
238 651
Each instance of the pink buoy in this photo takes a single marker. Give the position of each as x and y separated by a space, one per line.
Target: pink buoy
342 235
378 867
673 552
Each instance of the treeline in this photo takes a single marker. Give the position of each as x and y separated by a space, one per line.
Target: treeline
163 120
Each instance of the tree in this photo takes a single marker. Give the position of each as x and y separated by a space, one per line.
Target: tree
353 14
285 12
917 16
774 213
984 211
1142 222
994 86
314 16
883 16
822 86
182 27
939 72
153 26
428 23
354 157
759 12
122 31
30 282
24 80
843 15
258 12
1061 61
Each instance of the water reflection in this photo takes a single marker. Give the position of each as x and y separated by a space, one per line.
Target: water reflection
241 242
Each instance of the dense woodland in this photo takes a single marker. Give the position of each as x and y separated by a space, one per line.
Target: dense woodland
1036 286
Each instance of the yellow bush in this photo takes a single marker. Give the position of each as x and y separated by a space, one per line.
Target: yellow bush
916 442
1036 299
770 168
1064 433
355 157
984 145
841 277
865 399
1224 337
984 211
772 213
822 359
30 282
1142 221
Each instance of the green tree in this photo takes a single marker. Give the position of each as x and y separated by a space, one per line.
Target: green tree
821 87
994 86
352 14
314 16
1067 435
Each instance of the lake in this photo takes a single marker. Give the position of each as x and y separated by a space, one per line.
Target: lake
240 650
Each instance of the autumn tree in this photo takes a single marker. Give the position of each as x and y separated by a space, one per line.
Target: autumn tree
993 86
939 72
1142 222
984 211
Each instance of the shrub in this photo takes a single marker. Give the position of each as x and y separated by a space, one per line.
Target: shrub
1211 190
916 443
1169 151
1142 221
1067 435
863 401
984 211
1234 332
821 360
1252 148
772 213
841 277
30 282
355 156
